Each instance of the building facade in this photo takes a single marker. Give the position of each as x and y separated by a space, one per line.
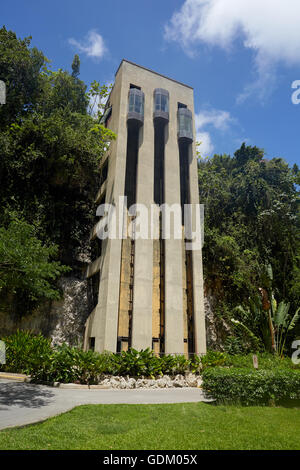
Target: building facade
148 291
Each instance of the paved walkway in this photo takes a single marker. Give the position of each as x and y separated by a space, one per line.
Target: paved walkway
25 403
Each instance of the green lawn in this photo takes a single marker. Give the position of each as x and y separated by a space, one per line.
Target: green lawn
173 426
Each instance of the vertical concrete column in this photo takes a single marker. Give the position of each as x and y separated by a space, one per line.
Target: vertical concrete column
143 258
173 247
198 295
106 313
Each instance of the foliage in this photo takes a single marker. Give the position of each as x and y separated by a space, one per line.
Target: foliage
135 363
252 219
21 69
283 324
265 361
212 359
249 386
266 324
70 365
146 363
25 351
234 345
97 97
50 152
26 264
34 355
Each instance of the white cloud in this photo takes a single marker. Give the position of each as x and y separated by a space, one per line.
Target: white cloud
219 119
214 119
270 28
206 146
92 45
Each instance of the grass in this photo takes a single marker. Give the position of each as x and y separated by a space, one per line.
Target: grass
161 427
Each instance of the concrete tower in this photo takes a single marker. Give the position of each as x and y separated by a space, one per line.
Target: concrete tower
147 292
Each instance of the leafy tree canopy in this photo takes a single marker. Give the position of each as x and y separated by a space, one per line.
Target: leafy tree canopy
252 219
50 148
25 263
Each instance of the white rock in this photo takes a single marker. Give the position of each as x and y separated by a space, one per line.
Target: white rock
199 382
131 383
191 380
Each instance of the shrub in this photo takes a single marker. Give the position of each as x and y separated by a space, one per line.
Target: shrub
146 363
265 361
249 386
212 359
71 365
135 363
234 345
25 351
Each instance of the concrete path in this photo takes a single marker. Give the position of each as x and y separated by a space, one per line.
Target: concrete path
25 403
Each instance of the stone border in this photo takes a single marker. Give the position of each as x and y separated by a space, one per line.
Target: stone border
119 382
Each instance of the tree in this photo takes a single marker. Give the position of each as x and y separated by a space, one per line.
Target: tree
51 154
76 66
26 264
252 219
21 68
51 149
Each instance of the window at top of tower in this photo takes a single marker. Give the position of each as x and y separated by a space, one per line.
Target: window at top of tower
135 105
136 102
185 125
161 104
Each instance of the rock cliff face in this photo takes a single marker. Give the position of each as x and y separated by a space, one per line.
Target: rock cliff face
70 313
62 320
216 328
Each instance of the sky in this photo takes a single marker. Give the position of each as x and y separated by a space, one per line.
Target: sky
242 57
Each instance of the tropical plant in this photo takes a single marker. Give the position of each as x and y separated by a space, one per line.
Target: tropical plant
25 351
264 322
283 323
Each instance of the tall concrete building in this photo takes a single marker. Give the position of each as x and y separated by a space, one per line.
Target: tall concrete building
148 293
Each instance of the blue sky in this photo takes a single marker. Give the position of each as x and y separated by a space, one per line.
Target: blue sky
241 57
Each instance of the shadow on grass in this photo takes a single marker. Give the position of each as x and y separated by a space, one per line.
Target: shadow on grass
23 395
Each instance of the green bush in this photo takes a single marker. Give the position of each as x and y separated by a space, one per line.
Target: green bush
135 363
146 363
71 365
213 359
234 345
32 354
250 386
25 351
265 361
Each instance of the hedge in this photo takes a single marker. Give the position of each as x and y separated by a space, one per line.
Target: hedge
250 386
